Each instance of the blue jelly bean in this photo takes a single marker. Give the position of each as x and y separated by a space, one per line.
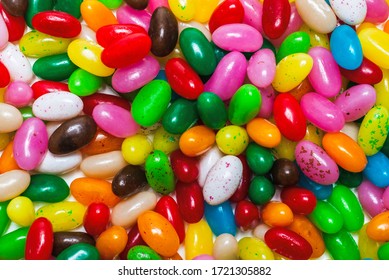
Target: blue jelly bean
377 169
220 218
320 191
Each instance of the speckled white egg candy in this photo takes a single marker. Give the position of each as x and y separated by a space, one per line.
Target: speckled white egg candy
18 65
223 179
351 12
57 106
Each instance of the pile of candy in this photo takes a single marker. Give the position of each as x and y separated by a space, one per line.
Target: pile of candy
194 129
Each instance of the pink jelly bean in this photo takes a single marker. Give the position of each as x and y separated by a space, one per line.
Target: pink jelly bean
136 75
261 68
325 75
4 35
18 94
128 15
229 75
321 112
356 101
30 143
370 196
385 198
115 120
237 37
377 11
268 95
253 13
154 4
203 257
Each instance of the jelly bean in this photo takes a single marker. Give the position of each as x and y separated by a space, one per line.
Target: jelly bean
135 149
185 168
159 172
13 244
79 251
7 159
4 141
220 218
251 248
13 183
232 140
165 141
63 240
211 110
184 10
229 11
228 76
244 105
141 252
246 215
126 212
316 39
91 101
47 188
194 24
367 73
383 252
385 198
317 14
34 7
83 83
58 24
137 4
96 14
190 201
4 219
15 23
253 11
297 42
288 243
377 228
11 118
277 214
40 240
26 112
134 239
18 94
367 246
377 11
18 65
326 217
113 4
261 68
276 16
103 166
321 191
196 140
59 164
344 151
225 247
4 76
168 208
198 240
346 202
111 242
261 190
129 181
264 133
55 68
15 8
21 211
69 6
66 215
350 12
108 34
259 159
374 130
350 179
128 15
284 172
4 37
382 89
300 200
342 246
96 218
346 47
242 190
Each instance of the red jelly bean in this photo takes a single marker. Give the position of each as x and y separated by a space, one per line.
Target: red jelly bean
56 23
229 11
289 117
185 168
40 240
40 88
367 73
167 207
96 218
246 215
183 79
275 17
300 200
4 76
15 25
243 188
134 239
288 243
91 101
109 34
190 201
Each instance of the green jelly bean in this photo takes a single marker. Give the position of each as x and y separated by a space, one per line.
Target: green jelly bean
47 188
326 217
151 102
112 4
142 252
347 203
341 245
181 115
83 83
79 251
36 6
26 112
212 111
259 159
297 42
383 251
4 219
385 147
69 6
219 53
159 172
268 45
350 179
244 105
198 51
54 67
13 244
261 190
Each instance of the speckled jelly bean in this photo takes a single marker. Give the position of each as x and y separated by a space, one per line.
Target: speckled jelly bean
18 66
350 12
232 140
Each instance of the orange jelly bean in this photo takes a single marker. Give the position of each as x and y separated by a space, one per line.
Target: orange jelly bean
378 227
111 242
277 214
197 140
89 190
344 151
96 14
303 88
158 233
7 160
103 142
264 133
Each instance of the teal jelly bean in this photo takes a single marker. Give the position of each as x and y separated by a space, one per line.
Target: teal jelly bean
36 6
326 217
261 190
79 251
212 111
13 244
47 188
181 115
350 179
383 251
142 252
159 172
83 83
297 42
341 245
244 105
69 6
26 112
4 220
259 159
57 67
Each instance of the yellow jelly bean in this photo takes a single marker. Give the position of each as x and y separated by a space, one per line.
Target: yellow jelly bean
21 211
198 240
285 149
375 46
314 134
374 130
264 133
96 14
4 140
251 248
316 39
364 26
87 55
165 141
367 246
135 149
64 216
38 44
2 91
232 140
291 71
382 90
204 9
184 10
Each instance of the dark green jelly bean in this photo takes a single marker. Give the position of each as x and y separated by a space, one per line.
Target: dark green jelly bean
69 6
198 51
79 251
268 45
212 110
151 103
47 188
13 244
341 245
326 217
244 105
159 172
261 190
350 179
4 220
142 252
83 83
259 159
36 6
181 115
130 180
297 42
218 52
347 203
57 67
65 239
26 112
383 251
385 147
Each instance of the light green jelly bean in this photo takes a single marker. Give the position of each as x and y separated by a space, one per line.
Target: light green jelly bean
142 252
112 4
251 248
341 246
244 105
83 83
13 244
326 217
297 42
383 251
159 173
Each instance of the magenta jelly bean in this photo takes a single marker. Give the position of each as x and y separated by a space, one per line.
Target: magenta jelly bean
268 95
18 94
128 15
261 68
154 4
253 13
377 11
371 198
